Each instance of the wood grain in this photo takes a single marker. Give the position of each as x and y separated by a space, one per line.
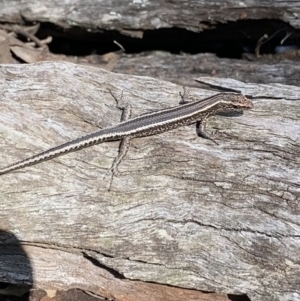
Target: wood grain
128 17
181 69
183 212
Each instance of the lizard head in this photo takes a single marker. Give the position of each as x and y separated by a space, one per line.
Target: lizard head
237 102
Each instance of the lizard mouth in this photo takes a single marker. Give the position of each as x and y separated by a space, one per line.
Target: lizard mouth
249 105
245 106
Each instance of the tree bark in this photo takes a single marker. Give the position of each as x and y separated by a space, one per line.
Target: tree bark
181 69
129 17
134 19
183 212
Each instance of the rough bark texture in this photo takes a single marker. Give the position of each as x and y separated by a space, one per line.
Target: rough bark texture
181 69
133 18
183 212
140 15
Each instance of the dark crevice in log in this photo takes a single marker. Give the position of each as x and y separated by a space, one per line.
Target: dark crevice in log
95 262
230 40
238 297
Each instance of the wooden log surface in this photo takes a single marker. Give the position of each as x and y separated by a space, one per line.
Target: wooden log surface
183 212
181 69
138 17
128 16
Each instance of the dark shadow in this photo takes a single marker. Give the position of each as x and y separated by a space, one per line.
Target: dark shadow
15 269
238 298
95 262
226 40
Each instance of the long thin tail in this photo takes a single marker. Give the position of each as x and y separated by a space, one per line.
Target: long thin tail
67 147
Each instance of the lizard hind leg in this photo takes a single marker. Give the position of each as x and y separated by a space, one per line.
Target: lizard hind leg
125 142
123 148
201 131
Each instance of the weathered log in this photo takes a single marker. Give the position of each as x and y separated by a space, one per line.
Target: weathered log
135 18
183 212
181 69
128 16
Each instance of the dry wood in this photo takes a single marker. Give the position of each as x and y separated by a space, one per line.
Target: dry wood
181 69
50 262
183 211
129 17
133 18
